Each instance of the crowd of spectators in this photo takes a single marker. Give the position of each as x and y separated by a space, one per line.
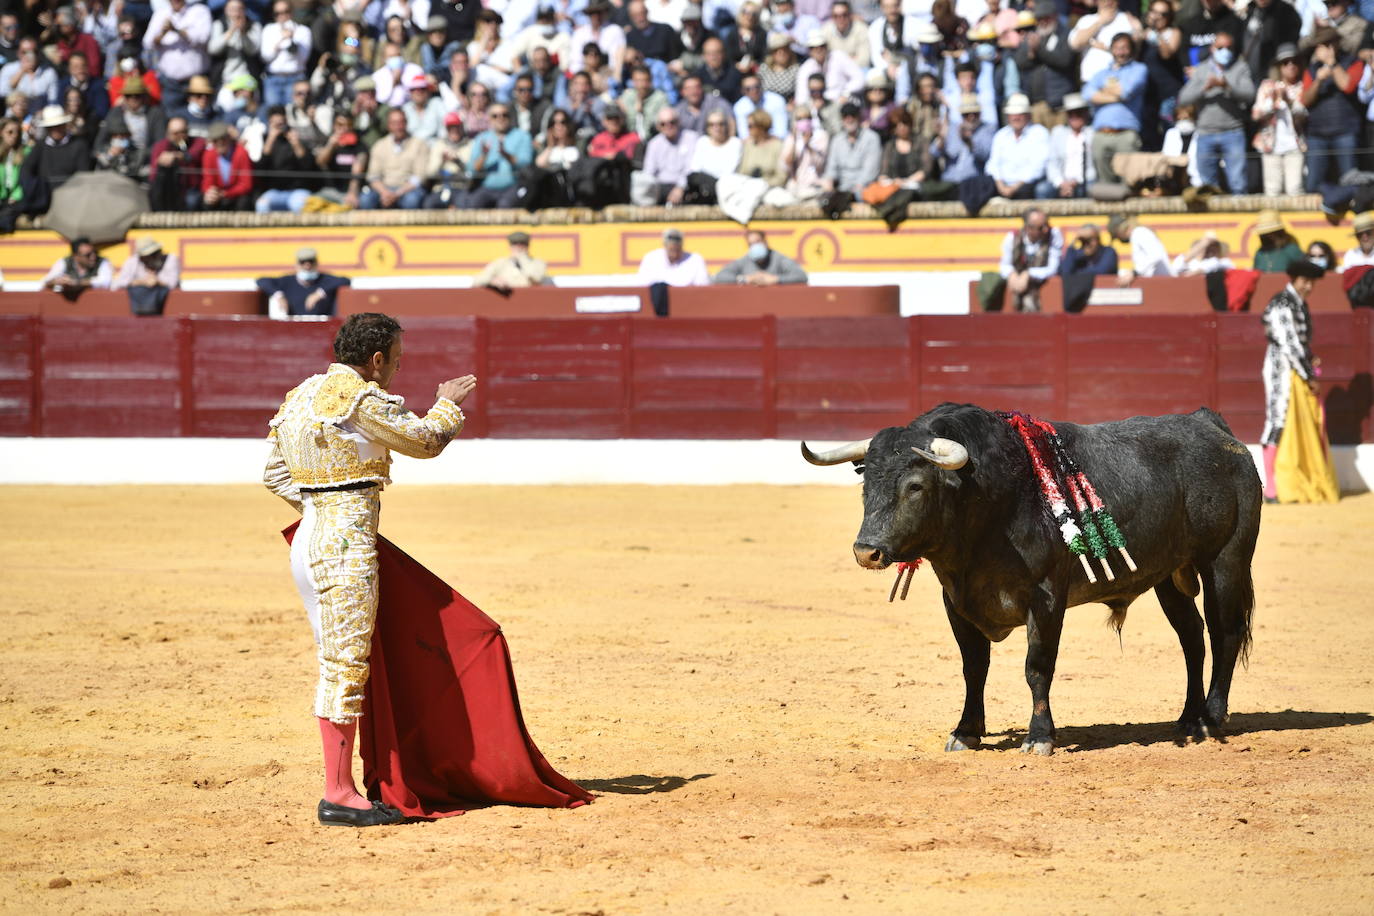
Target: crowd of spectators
289 105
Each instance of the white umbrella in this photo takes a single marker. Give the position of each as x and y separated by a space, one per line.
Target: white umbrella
99 205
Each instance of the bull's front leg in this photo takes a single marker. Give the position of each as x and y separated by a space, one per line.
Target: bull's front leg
975 649
1044 623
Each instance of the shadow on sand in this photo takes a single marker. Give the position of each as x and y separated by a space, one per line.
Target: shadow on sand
640 785
1072 739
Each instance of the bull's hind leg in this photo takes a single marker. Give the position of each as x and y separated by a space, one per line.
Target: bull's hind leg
976 650
1182 614
1228 603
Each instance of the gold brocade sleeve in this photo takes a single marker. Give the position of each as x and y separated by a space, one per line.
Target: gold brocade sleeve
277 478
395 427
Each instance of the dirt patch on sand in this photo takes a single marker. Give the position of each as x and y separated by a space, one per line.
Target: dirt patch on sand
765 730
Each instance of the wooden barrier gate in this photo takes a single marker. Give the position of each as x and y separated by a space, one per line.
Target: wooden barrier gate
622 377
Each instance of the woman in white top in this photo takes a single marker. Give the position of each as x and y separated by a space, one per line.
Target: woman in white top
717 153
560 146
1282 119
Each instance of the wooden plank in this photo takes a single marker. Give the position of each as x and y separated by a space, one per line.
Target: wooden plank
699 333
18 379
679 423
700 363
718 393
845 394
873 333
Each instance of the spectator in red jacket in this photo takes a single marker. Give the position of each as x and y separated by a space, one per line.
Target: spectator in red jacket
615 140
226 181
174 169
70 38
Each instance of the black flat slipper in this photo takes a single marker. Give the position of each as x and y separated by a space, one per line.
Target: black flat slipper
332 815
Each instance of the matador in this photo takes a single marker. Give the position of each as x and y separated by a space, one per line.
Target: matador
331 444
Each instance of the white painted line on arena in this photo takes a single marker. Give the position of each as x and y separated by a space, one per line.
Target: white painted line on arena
481 461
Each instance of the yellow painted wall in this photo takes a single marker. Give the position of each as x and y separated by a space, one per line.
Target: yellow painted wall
616 248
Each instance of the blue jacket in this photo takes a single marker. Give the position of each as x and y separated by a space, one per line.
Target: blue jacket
497 173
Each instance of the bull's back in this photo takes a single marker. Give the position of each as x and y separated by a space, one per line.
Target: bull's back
1182 483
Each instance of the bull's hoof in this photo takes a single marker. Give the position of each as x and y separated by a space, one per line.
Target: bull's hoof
963 743
1198 729
1043 746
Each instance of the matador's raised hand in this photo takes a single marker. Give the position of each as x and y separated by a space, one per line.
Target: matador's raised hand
456 389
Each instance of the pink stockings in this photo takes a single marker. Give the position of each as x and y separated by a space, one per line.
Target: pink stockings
1270 488
339 788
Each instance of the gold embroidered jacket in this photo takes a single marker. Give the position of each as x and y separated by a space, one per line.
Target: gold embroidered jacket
336 429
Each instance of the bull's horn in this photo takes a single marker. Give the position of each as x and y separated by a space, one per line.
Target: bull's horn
945 453
854 451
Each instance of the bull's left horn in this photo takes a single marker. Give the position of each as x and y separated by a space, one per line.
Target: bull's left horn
854 451
945 453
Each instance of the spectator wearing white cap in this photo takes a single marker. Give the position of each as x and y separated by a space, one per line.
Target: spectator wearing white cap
305 292
54 159
843 77
1069 169
285 48
1020 152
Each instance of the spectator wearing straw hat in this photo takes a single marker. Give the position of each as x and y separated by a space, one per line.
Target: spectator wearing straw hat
516 270
53 160
1277 249
178 37
1019 153
148 275
1362 255
200 110
305 292
1117 93
147 121
1069 169
964 149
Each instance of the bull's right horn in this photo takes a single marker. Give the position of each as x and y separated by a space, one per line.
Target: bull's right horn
945 453
854 451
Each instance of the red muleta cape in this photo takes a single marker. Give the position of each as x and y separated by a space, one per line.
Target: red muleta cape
441 731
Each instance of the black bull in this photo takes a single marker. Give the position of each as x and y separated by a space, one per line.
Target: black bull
957 488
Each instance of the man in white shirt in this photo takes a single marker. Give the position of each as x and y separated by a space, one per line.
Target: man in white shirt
1362 255
674 265
599 30
1070 169
178 36
1092 36
1149 257
285 47
1019 151
395 75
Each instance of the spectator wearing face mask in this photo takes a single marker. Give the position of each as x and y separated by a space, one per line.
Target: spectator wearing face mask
395 75
306 292
1178 141
761 265
285 48
200 110
1222 89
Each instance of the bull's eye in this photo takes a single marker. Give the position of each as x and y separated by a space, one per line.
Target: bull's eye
913 488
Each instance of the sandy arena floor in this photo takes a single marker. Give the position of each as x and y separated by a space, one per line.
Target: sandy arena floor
765 730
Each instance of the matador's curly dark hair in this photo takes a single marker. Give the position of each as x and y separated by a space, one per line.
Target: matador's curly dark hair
364 334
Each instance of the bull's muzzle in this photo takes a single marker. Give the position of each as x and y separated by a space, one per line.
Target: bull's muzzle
870 557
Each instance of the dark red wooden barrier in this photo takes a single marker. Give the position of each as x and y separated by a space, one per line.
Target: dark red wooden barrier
613 377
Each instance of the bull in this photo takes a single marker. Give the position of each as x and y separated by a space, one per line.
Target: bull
957 488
